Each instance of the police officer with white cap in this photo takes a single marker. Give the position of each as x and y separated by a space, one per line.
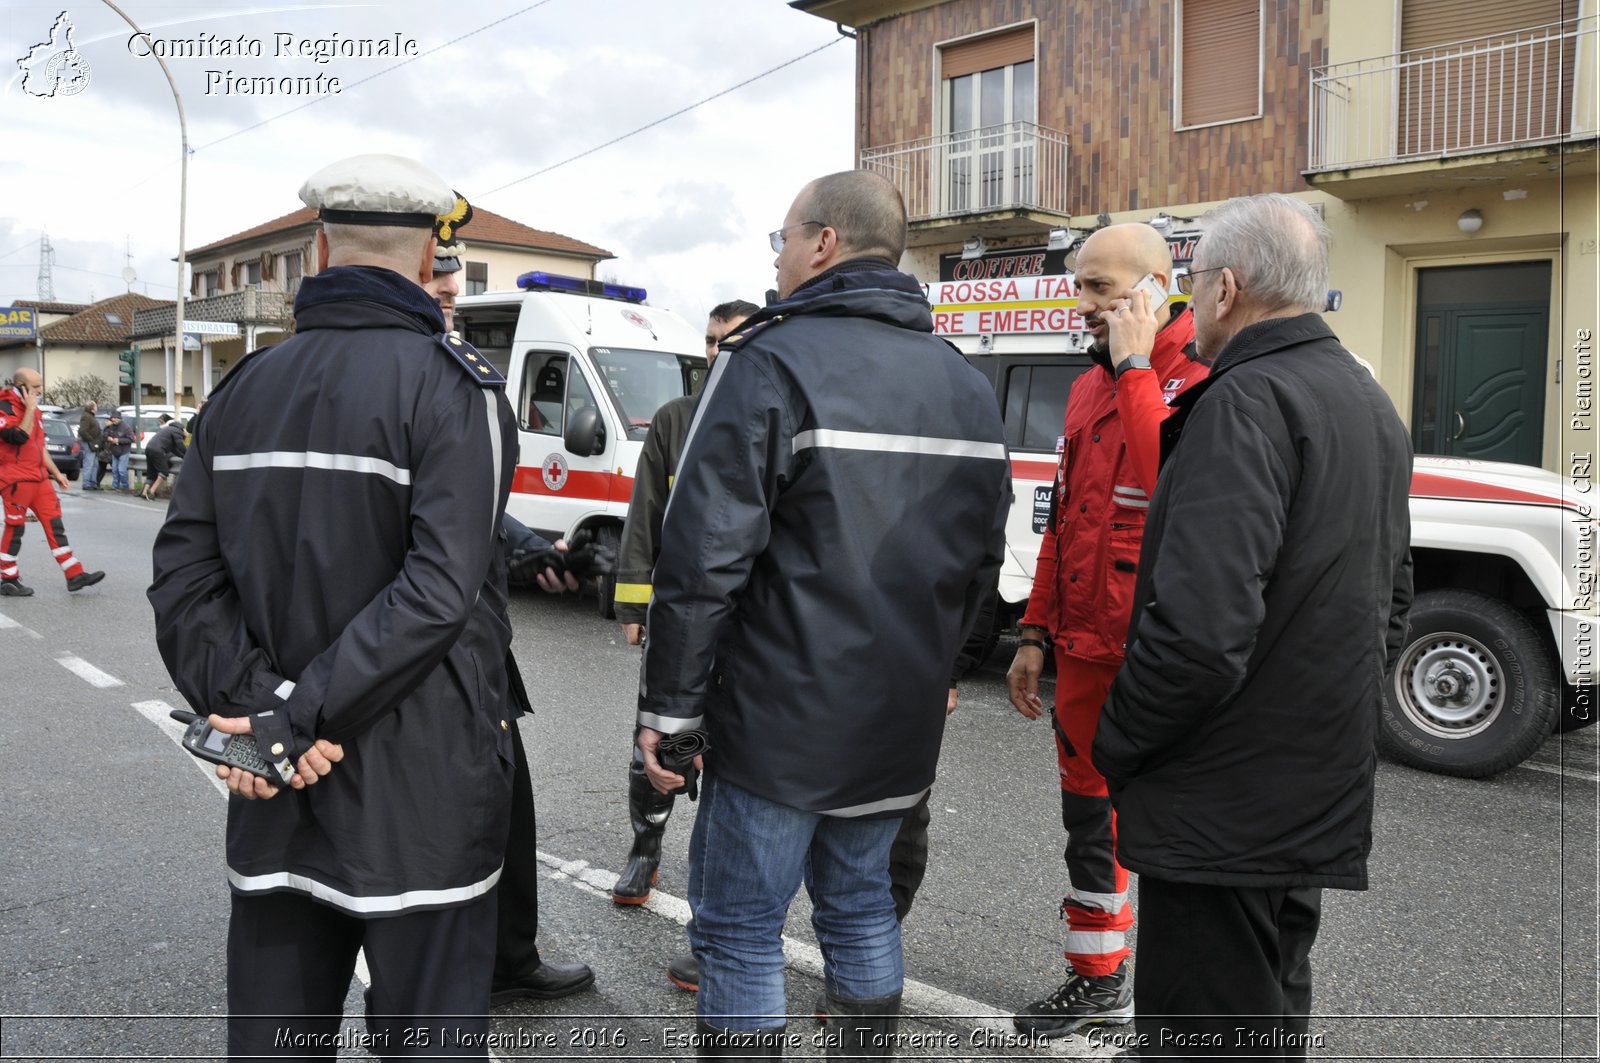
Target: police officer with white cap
330 578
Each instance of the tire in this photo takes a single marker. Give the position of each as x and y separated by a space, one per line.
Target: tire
1475 690
73 475
606 586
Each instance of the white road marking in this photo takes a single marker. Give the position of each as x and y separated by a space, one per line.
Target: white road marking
918 998
88 672
156 713
8 624
1556 769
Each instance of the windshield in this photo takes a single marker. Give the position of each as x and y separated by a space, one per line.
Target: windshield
57 431
640 381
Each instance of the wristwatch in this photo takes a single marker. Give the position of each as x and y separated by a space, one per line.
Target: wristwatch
1133 361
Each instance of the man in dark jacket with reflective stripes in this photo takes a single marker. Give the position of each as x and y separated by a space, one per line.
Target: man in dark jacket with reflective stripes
839 508
1274 579
330 578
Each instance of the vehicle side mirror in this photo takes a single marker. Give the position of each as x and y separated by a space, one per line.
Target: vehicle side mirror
585 433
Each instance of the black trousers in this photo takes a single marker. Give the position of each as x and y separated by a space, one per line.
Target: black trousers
290 960
1224 971
516 952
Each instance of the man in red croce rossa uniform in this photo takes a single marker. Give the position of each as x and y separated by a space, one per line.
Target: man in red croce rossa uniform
1083 597
25 474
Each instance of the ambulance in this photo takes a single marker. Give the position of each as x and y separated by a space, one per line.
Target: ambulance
1504 641
587 364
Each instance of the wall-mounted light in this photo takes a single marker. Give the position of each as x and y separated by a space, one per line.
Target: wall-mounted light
1060 239
1470 221
974 247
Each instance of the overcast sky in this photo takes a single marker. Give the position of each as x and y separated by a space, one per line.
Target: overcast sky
685 206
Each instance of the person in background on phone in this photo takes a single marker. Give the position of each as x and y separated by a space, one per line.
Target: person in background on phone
1271 601
89 444
641 543
164 446
118 442
1083 593
25 474
332 580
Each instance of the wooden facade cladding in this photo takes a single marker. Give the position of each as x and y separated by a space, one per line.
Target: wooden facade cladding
1106 73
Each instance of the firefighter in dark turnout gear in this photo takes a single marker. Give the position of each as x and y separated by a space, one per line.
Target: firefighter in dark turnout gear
25 474
641 542
330 577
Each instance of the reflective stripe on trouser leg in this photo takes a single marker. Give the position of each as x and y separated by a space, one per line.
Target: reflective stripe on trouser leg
16 522
56 533
1097 912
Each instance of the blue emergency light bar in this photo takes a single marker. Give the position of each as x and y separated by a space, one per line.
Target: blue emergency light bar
540 281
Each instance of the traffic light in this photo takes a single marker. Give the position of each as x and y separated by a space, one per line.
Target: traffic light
130 368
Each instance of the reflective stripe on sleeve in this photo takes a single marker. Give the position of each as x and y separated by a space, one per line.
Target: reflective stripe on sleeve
633 593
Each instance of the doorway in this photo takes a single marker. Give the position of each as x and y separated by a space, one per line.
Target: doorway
1481 358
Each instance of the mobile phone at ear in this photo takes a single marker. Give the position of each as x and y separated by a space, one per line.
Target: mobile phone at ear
1152 289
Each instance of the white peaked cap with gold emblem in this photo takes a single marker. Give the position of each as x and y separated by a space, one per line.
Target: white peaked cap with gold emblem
378 190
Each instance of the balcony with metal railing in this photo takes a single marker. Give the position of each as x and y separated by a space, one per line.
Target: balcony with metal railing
1013 168
1470 98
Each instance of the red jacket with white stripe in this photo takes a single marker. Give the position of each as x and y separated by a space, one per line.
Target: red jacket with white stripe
21 449
1083 585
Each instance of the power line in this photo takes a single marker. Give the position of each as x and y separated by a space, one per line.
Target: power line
369 77
664 118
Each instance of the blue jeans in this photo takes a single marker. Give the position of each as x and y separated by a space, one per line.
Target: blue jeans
119 471
747 858
91 466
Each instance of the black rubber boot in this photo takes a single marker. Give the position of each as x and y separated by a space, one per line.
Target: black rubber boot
714 1043
862 1029
648 811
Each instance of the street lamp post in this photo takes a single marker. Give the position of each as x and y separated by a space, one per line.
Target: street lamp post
183 211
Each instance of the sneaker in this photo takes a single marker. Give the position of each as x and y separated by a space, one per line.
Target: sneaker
13 588
1082 1000
82 580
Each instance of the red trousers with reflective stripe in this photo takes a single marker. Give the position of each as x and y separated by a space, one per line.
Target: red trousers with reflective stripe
39 496
1097 910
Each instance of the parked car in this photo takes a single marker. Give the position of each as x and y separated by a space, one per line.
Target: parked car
150 420
63 445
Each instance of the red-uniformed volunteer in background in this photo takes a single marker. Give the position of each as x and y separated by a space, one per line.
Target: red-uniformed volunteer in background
25 474
1083 595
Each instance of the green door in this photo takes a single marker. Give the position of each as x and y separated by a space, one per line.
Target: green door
1482 339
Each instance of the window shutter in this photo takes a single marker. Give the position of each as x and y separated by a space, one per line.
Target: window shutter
1428 23
267 259
987 53
1221 51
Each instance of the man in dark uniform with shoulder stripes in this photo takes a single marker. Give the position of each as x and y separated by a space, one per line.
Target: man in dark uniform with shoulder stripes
330 579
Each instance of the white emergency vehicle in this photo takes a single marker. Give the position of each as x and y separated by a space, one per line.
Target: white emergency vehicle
587 365
1502 648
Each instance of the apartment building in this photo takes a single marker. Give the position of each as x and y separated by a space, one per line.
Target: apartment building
1450 144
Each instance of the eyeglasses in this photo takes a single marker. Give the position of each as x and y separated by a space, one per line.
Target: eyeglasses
775 238
1186 280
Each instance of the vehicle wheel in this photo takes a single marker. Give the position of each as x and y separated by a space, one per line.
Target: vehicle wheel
1475 689
1578 708
73 475
606 586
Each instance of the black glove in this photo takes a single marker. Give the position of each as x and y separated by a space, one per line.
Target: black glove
588 556
524 566
676 754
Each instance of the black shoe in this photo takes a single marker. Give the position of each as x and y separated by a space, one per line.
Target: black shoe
1082 1000
548 981
684 972
13 588
862 1029
717 1043
82 580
